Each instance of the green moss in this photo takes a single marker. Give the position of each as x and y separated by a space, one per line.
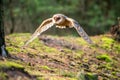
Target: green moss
45 67
35 43
3 76
9 64
73 79
60 78
67 74
10 49
113 73
49 50
117 48
107 43
107 40
16 50
34 72
91 76
86 76
20 34
42 48
67 50
54 78
110 44
109 66
40 78
104 57
13 50
80 41
81 75
78 53
16 41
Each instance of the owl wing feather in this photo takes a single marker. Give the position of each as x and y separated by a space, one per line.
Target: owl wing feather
46 24
81 31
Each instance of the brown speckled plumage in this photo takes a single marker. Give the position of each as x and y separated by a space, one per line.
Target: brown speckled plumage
60 21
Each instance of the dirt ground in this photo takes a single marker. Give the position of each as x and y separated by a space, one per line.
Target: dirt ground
61 58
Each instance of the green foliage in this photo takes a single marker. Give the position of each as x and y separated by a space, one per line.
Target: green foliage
98 19
98 15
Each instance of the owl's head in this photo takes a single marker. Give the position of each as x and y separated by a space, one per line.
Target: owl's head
58 18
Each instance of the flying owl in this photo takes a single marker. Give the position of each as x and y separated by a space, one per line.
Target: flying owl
60 21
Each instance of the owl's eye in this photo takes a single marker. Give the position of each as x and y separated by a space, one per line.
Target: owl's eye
57 18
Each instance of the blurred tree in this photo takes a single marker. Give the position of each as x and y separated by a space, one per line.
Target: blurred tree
12 16
95 15
3 51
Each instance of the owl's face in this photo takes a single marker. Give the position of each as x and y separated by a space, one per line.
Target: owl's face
58 18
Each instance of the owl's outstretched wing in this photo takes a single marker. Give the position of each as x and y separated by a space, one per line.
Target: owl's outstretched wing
46 24
81 32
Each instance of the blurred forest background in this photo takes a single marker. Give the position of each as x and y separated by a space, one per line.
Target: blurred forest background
95 16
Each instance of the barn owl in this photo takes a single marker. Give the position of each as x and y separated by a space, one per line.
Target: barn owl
60 21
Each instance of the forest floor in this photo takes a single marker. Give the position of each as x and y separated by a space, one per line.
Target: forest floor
61 58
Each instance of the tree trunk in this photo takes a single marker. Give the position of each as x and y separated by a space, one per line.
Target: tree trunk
3 51
12 16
